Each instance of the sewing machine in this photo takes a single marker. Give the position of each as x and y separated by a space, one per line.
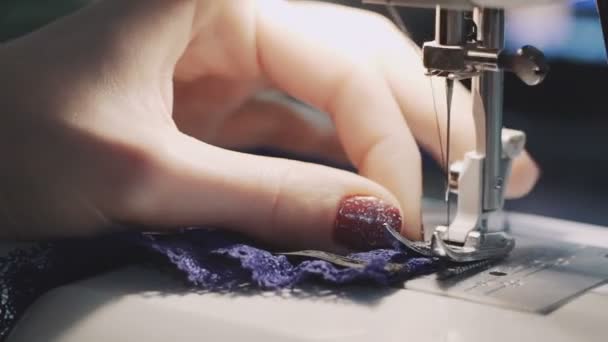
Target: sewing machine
469 44
540 282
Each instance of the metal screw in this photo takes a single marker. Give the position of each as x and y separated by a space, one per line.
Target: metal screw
499 183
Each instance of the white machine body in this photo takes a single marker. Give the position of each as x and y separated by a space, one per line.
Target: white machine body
467 4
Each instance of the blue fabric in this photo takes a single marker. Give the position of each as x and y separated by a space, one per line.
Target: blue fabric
209 259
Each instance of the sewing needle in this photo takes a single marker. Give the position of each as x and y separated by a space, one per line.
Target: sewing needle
449 87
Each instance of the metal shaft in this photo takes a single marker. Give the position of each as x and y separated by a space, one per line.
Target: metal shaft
449 30
449 27
490 86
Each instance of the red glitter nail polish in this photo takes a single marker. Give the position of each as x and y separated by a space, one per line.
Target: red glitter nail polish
361 221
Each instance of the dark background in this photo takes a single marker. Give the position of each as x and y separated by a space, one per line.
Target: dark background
565 117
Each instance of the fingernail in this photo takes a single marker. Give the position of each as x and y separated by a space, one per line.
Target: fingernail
361 221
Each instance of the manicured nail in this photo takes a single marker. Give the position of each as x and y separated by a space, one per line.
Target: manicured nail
361 221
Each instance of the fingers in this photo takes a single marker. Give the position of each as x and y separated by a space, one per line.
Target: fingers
367 117
524 175
269 120
287 203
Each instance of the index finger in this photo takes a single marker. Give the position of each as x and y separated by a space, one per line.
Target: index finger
353 91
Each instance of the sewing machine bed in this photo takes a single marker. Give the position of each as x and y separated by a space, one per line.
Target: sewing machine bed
138 304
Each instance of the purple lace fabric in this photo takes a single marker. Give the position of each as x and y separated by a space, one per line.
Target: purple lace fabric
208 259
218 261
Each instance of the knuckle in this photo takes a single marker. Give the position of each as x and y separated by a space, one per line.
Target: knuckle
355 76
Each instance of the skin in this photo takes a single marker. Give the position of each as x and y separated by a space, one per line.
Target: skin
124 113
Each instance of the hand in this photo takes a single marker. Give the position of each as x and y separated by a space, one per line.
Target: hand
119 115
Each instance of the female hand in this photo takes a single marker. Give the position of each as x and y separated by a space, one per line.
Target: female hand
121 115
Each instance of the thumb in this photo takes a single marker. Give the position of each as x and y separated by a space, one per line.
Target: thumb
282 202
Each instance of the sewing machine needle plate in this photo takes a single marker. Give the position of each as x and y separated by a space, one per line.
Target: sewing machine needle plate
539 276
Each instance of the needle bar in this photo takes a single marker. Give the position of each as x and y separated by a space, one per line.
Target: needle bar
449 87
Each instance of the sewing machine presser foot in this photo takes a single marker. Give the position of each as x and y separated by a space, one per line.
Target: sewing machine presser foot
478 246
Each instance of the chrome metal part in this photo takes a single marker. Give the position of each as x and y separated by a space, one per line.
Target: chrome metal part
469 44
478 247
489 85
450 27
419 247
538 276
